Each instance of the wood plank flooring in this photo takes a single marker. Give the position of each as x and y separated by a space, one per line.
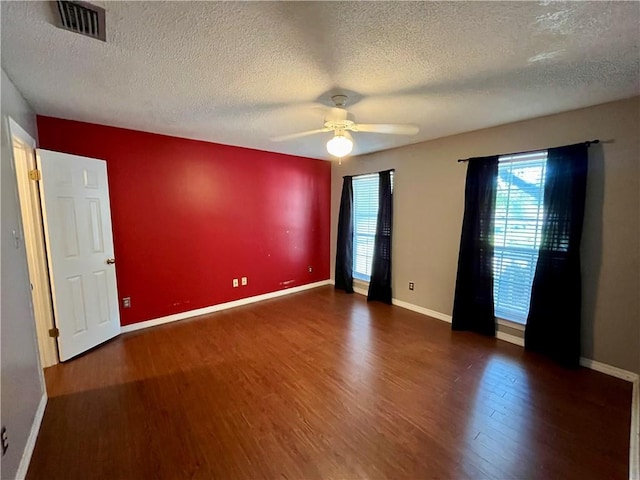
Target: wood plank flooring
321 384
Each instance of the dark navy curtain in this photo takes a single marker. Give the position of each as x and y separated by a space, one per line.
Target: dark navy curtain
344 248
553 325
473 303
380 283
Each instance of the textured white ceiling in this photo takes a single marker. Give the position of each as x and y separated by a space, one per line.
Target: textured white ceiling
240 73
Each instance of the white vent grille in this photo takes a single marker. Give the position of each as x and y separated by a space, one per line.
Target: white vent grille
82 18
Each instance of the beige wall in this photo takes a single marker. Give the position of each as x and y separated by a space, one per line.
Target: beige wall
429 203
21 383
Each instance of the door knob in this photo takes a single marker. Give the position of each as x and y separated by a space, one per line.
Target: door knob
111 261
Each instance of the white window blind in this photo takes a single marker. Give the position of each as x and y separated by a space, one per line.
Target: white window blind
365 219
517 232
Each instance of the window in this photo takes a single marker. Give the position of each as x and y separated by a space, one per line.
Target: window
365 219
517 232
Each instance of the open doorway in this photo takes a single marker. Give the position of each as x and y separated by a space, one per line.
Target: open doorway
23 150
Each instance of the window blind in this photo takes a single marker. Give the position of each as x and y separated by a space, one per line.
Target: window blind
365 206
517 232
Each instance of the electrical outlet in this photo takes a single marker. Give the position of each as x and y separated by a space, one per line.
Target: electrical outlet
126 302
310 269
5 440
235 282
411 285
244 281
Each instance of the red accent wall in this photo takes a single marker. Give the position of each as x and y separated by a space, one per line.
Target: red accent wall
189 216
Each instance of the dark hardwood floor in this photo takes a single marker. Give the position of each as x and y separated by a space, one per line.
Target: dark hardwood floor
323 385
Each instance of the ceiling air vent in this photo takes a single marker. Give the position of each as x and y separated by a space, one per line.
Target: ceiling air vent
81 17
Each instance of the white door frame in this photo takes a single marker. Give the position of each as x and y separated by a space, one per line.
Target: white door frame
31 213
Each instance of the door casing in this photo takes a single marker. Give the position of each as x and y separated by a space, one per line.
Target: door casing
23 148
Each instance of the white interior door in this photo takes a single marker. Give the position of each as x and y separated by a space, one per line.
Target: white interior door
77 223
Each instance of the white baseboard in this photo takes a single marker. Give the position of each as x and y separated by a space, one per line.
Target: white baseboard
31 440
506 337
424 311
634 444
408 306
360 291
608 369
220 306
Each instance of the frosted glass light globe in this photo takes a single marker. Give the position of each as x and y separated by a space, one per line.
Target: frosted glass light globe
339 146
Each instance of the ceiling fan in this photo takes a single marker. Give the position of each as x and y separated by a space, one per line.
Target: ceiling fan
341 123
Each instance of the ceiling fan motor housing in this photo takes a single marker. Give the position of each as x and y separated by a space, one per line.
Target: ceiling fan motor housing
340 100
340 125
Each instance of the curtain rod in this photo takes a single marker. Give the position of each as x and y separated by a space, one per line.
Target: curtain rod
370 173
587 143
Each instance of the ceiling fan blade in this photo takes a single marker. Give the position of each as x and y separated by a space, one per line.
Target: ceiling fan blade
395 129
293 136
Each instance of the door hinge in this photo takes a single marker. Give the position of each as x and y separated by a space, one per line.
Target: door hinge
35 175
54 333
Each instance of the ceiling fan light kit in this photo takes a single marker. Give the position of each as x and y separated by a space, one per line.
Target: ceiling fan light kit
340 145
339 122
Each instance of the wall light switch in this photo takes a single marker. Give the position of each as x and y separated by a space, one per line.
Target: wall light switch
235 282
16 239
244 281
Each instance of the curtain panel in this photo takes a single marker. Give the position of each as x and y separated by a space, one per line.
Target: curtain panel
380 283
473 307
344 247
553 325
